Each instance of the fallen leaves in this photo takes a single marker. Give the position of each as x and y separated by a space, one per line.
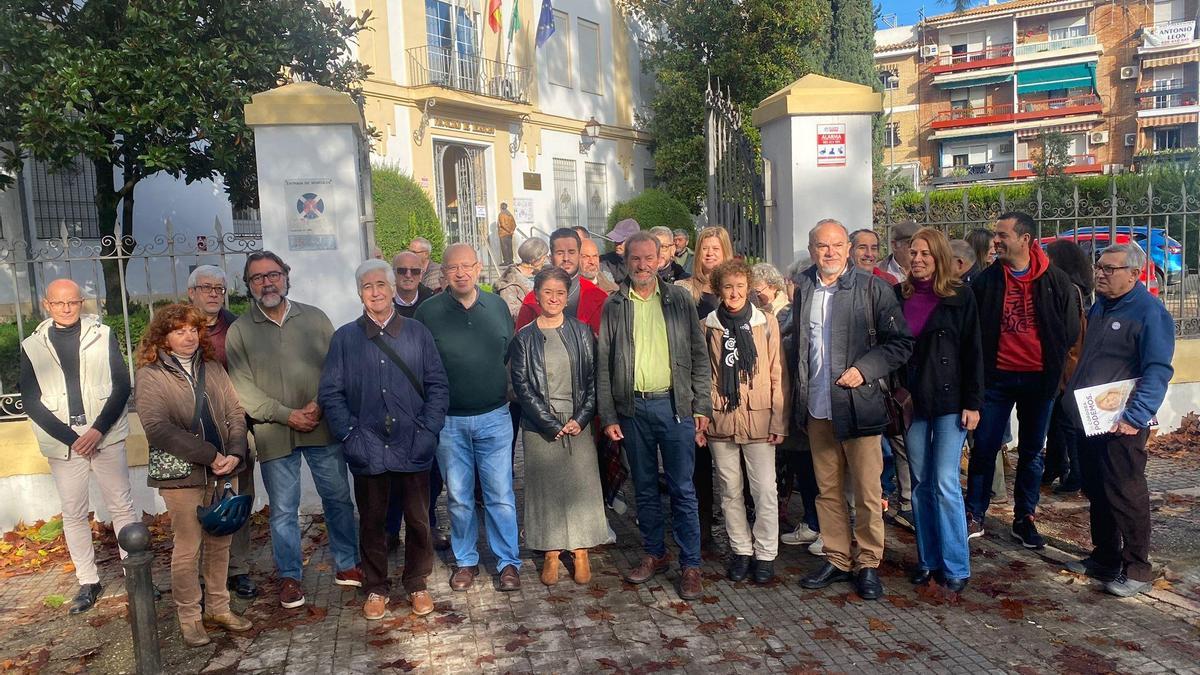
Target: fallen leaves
1013 610
600 614
879 625
719 626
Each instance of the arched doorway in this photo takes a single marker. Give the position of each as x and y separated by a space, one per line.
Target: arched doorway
461 173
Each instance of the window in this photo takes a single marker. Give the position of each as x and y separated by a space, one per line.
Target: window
589 57
247 224
1167 138
889 79
596 189
450 34
65 199
566 207
1170 10
891 134
557 51
1069 27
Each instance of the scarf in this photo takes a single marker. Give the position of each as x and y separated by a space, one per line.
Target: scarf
919 307
738 355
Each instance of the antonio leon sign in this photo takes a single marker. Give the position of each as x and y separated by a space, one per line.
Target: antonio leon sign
831 145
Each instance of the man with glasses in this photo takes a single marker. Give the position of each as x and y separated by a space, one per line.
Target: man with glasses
410 292
472 330
1029 316
431 275
275 352
1130 335
75 385
206 292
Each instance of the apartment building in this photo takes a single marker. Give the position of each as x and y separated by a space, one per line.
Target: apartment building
896 58
1119 79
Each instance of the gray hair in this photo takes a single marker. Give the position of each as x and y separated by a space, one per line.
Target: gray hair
962 249
207 271
802 262
854 235
661 231
374 265
641 236
812 234
770 275
681 233
423 242
1134 255
533 249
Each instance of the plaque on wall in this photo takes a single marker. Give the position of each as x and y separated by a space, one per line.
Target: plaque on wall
532 181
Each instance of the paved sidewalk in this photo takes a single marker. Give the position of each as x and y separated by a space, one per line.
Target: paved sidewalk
1021 613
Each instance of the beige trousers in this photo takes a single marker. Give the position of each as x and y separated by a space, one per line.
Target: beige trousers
859 463
763 543
71 478
186 555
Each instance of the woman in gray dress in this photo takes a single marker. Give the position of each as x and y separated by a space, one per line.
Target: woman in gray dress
552 361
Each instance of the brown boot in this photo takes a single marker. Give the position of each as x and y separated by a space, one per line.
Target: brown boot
229 621
583 568
550 568
647 568
193 633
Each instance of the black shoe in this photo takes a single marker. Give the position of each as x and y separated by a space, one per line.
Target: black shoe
86 597
904 518
1048 476
825 575
764 571
243 585
441 541
1068 486
1094 569
739 568
868 585
1024 531
921 577
954 585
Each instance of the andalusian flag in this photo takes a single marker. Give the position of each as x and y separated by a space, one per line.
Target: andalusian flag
514 24
495 16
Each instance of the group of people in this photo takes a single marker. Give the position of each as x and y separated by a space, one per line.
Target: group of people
674 366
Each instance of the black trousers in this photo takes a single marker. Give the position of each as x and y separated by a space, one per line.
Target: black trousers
1114 480
1062 445
372 494
702 477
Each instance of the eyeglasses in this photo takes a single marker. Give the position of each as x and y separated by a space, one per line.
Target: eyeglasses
272 277
208 288
1109 270
455 269
411 271
63 304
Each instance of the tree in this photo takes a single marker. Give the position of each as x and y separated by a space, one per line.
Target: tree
403 212
1049 160
138 87
852 58
752 47
959 6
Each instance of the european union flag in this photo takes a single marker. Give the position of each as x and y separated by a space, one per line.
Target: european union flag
545 23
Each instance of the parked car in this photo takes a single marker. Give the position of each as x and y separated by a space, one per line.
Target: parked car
1163 249
1093 243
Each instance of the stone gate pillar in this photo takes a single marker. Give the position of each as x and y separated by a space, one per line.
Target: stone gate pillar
307 141
816 139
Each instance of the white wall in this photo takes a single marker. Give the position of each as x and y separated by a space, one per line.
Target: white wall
574 102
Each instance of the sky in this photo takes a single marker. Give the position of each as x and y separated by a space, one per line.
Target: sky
906 10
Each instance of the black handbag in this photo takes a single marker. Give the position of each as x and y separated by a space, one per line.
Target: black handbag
897 400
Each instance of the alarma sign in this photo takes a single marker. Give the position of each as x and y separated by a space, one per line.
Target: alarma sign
831 145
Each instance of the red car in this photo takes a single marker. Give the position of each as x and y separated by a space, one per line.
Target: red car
1093 243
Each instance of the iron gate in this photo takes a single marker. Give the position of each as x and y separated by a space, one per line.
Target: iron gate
735 199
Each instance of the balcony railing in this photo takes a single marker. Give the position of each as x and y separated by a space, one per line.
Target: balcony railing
1051 107
1025 110
1076 164
966 173
1163 101
446 67
1054 45
993 55
1166 33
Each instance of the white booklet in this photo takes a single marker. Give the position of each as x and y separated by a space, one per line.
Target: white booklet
1102 405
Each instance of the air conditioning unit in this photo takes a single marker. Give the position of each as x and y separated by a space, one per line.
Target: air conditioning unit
1098 137
1130 140
1111 169
1006 149
929 51
1129 72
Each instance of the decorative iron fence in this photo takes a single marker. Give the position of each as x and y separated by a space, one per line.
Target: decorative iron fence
1160 213
153 271
736 194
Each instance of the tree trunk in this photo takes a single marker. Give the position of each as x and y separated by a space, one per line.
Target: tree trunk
107 199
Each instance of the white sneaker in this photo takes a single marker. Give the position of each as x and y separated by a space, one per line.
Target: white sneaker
803 534
817 547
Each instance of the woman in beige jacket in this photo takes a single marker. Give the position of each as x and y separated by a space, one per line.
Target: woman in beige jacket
749 418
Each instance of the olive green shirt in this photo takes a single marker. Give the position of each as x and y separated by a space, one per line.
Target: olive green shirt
651 354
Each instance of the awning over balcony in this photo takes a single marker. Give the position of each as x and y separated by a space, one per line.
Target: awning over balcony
1023 134
977 82
1190 56
1167 120
1058 77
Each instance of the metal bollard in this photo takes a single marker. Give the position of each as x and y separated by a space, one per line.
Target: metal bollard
135 539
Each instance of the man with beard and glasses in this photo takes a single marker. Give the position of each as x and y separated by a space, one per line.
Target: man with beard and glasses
276 351
584 300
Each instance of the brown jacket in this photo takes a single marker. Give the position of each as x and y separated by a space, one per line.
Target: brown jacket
763 410
166 405
506 224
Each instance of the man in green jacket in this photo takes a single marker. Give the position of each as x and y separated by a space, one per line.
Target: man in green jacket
275 352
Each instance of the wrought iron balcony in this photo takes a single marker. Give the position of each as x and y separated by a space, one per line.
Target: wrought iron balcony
995 55
1055 45
446 67
1085 163
969 173
1025 110
1160 101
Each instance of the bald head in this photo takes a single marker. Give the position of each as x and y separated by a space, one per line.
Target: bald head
408 268
460 265
63 302
829 246
589 259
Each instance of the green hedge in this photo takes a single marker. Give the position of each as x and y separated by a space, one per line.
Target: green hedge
403 211
653 208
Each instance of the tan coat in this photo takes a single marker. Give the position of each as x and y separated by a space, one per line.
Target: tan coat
763 410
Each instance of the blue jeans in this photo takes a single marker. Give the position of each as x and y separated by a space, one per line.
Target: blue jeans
282 478
483 444
1027 392
888 479
655 429
934 452
395 509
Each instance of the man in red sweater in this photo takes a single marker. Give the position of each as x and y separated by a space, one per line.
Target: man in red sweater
584 299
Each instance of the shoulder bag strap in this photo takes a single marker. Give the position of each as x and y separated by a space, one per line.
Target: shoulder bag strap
395 358
198 394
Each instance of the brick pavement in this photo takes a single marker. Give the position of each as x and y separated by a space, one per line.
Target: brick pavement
1021 613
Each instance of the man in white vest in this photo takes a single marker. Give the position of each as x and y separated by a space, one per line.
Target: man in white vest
75 386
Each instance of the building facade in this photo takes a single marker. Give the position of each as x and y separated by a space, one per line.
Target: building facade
1118 80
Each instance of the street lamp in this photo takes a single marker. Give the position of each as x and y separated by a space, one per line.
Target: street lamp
591 132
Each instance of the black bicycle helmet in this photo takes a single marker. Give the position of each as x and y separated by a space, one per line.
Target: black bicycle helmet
227 514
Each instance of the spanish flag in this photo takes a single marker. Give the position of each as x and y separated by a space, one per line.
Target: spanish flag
494 15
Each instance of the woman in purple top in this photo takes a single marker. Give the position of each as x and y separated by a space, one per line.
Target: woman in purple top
945 377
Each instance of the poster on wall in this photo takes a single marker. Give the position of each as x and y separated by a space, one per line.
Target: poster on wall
312 224
831 145
523 210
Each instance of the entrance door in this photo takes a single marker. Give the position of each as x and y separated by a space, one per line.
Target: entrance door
461 173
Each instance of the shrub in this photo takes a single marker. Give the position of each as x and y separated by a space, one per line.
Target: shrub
651 209
403 212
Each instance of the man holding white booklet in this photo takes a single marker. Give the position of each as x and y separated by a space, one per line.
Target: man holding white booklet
1123 372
